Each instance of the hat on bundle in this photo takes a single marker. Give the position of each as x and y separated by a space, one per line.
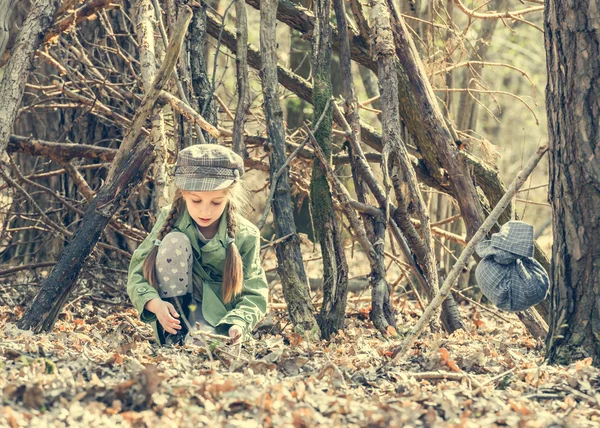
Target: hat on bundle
207 167
508 275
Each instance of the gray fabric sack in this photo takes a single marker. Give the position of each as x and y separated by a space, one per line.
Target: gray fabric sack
508 275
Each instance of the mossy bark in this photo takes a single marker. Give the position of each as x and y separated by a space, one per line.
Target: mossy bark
328 232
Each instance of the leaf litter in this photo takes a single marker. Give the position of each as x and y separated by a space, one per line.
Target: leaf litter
98 368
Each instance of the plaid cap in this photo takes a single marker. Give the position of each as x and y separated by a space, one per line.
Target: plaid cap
207 167
508 275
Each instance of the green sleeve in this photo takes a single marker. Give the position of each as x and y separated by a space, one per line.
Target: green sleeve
139 290
251 304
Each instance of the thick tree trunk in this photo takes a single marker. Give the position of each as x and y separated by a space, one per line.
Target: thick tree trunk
289 256
17 70
572 35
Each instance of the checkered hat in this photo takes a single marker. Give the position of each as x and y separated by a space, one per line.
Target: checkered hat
207 167
508 275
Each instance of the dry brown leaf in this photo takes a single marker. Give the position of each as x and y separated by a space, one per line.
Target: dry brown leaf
445 358
10 417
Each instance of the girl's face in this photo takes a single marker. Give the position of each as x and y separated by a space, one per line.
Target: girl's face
206 208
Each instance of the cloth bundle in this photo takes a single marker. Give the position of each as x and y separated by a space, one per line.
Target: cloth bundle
508 275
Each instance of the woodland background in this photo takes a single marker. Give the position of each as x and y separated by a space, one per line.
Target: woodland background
488 76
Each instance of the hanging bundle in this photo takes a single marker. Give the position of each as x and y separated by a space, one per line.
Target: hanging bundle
508 275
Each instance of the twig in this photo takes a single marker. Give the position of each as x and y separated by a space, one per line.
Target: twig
485 308
467 253
224 107
527 201
446 221
487 91
443 376
484 63
15 269
190 329
276 241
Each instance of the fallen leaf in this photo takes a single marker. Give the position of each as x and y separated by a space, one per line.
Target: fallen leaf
445 357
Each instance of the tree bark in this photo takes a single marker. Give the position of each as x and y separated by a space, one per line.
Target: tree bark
16 72
383 48
45 308
6 10
145 35
289 256
200 81
425 122
241 76
572 38
127 173
327 229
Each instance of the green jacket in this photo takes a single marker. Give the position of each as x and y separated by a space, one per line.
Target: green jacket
244 310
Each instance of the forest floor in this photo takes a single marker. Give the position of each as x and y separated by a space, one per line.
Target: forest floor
98 368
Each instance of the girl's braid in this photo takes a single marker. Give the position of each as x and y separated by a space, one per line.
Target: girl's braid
170 220
233 270
231 221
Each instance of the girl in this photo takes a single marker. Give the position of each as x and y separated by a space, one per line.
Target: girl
200 263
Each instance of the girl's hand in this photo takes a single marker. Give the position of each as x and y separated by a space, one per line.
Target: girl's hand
166 314
235 333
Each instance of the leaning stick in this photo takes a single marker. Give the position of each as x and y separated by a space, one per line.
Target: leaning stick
412 336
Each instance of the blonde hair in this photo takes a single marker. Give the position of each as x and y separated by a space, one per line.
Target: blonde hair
233 271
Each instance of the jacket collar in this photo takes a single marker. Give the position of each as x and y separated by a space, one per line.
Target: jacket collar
186 224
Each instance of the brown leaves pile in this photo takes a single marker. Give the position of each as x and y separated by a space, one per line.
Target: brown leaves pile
98 371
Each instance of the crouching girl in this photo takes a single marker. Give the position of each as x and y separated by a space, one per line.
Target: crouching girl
200 264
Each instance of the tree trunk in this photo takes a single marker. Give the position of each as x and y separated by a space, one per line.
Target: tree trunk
241 76
200 81
327 229
17 70
145 16
289 256
572 36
